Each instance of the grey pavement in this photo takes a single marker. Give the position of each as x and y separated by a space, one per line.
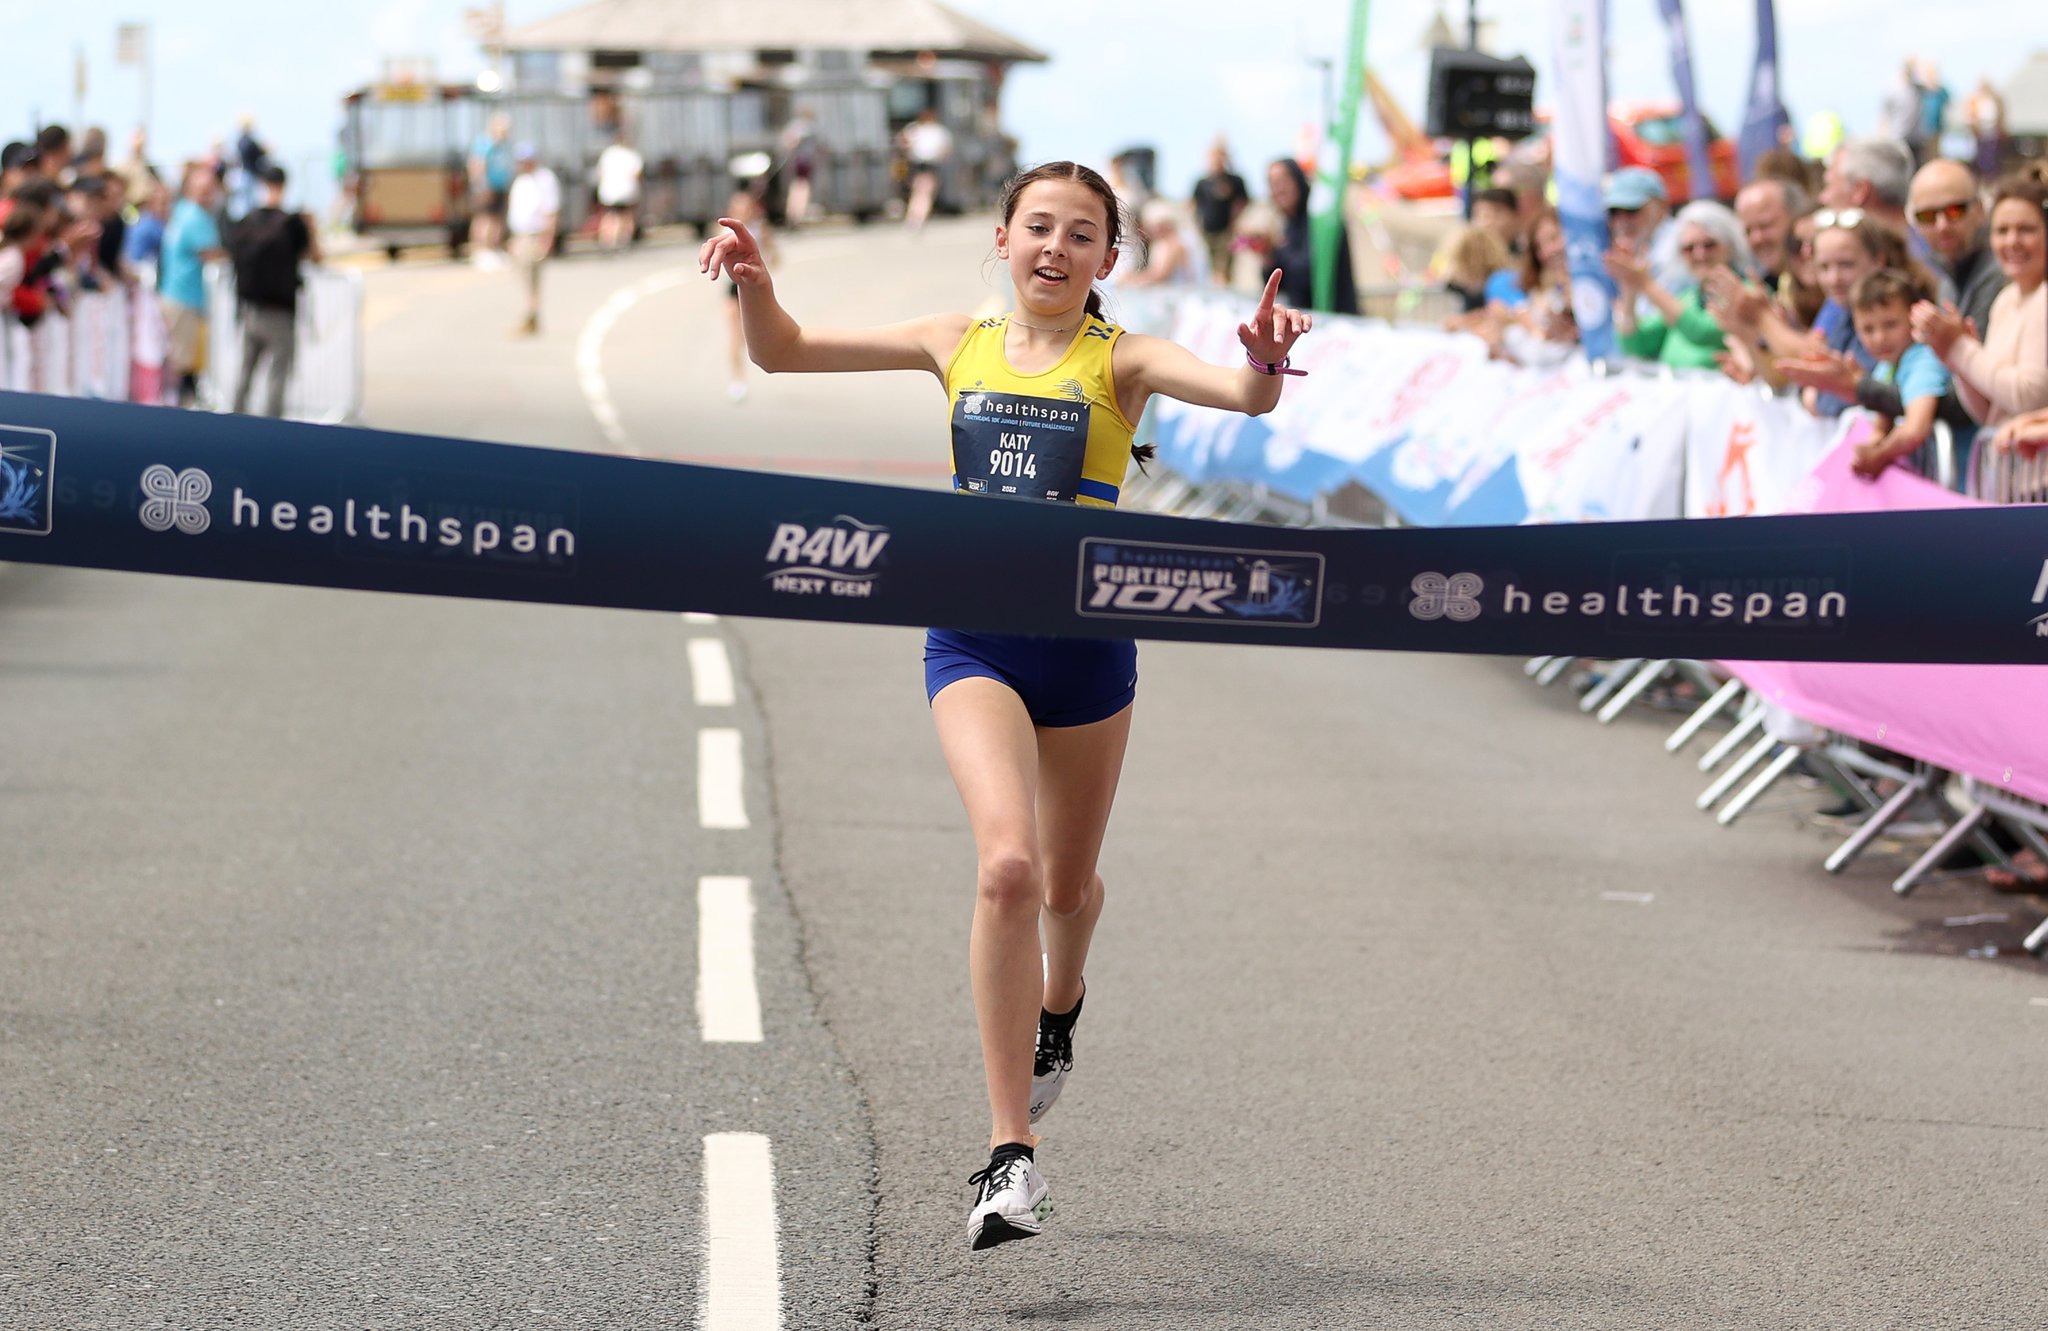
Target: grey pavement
346 976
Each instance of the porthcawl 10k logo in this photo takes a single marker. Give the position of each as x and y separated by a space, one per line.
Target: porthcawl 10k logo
27 460
1199 583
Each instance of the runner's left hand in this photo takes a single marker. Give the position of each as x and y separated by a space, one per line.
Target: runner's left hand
1272 330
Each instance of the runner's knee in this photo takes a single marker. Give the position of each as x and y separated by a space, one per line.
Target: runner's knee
1073 895
1009 880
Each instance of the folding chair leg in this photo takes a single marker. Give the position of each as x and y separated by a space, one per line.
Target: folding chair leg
1618 675
1731 778
1706 712
1939 851
1558 665
2037 941
1644 678
1777 767
1732 741
1534 665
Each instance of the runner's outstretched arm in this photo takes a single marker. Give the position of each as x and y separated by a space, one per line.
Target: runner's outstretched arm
777 343
1156 365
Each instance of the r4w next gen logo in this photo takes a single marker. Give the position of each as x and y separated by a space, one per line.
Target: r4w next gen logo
838 559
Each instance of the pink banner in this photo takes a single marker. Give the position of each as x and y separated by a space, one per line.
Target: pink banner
1984 721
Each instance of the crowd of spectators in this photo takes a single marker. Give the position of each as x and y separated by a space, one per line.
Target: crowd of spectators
72 223
1883 276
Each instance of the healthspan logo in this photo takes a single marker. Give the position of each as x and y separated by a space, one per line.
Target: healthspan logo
1751 601
1199 583
838 559
176 499
179 499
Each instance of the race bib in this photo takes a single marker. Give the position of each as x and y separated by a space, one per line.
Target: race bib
1025 447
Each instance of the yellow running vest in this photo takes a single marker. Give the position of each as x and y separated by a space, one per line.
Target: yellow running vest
1055 435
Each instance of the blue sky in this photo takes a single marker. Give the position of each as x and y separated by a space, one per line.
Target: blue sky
1168 72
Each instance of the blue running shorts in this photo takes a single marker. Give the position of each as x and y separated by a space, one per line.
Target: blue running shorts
1063 681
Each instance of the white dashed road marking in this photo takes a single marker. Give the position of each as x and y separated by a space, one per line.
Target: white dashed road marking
720 801
710 673
728 1002
742 1270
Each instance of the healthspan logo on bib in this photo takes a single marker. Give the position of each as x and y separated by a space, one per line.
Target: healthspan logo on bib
1199 583
838 559
27 457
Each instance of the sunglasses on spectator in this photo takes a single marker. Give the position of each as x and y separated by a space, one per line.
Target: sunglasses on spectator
1954 212
1623 212
1848 219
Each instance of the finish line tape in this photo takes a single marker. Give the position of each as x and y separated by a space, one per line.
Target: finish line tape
102 485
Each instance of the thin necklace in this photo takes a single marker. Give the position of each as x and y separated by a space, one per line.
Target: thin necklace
1041 328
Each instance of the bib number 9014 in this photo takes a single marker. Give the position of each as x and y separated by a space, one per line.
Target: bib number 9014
1005 462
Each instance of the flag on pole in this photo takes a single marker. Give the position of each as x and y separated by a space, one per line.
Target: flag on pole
1578 158
1699 167
131 43
1326 228
1766 114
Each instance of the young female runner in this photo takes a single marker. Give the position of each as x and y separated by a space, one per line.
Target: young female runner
1033 729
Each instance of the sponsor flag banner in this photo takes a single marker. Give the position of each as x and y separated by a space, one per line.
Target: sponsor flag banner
1765 116
1978 719
1579 160
106 485
1699 168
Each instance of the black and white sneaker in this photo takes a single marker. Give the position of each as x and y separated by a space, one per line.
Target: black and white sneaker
1054 1058
1011 1200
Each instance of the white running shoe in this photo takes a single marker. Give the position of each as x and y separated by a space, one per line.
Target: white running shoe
1052 1061
1011 1201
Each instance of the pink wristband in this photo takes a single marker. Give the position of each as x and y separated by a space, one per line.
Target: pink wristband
1264 367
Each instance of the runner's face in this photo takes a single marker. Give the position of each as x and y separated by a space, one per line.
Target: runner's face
1056 245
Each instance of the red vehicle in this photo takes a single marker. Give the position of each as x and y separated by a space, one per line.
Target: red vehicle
1648 134
1652 134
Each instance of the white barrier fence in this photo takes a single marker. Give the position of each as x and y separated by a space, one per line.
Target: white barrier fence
1440 435
111 346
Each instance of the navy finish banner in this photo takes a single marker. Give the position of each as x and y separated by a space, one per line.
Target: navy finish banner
101 485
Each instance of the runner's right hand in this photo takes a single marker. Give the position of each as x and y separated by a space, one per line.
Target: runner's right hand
735 254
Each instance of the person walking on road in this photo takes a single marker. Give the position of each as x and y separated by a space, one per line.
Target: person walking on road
191 241
1033 729
926 145
267 247
532 208
619 171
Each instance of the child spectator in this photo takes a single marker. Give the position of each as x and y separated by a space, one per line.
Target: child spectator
1881 304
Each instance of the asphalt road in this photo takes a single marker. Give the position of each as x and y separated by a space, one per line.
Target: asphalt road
349 965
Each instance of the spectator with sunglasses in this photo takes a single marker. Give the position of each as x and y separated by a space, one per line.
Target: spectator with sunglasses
1948 216
1680 331
2004 372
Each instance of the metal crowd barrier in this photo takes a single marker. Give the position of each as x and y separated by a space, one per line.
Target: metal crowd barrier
327 368
111 346
1765 742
